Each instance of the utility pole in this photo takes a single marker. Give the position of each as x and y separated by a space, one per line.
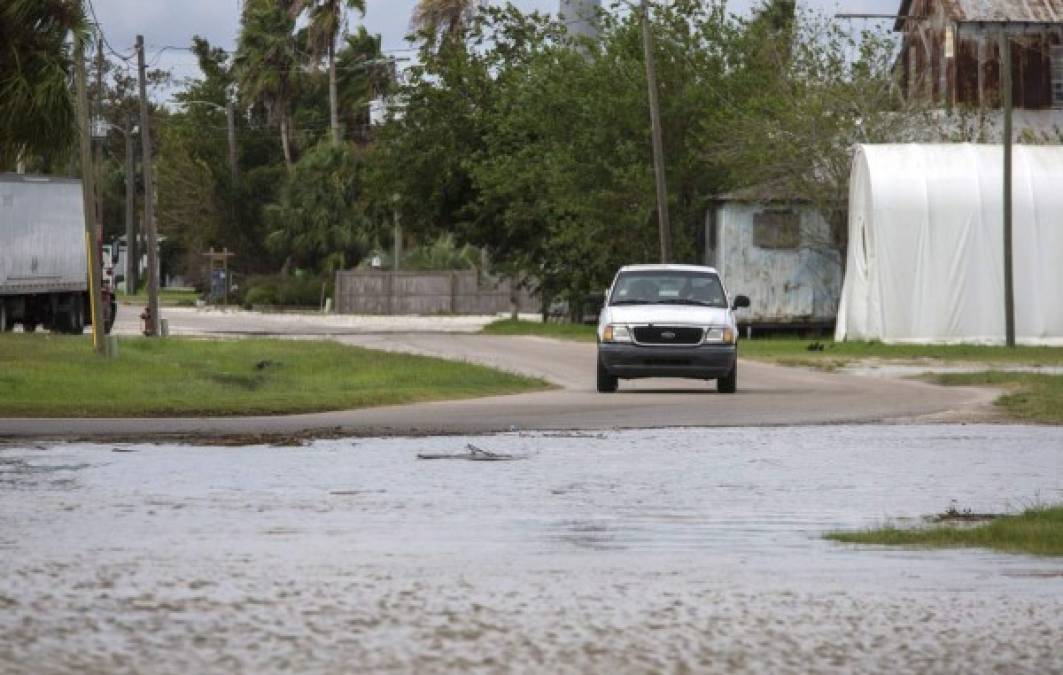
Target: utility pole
230 119
658 143
99 138
132 260
152 328
1009 279
88 193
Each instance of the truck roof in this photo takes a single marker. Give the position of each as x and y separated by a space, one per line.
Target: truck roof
668 267
23 178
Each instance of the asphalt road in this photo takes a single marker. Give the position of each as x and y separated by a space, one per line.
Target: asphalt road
768 395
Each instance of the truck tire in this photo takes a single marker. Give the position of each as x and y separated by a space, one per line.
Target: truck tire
607 384
729 383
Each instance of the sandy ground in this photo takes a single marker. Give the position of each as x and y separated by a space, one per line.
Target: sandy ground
693 550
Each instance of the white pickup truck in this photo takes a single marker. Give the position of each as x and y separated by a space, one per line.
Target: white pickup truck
668 321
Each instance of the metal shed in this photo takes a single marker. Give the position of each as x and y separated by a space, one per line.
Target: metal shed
781 252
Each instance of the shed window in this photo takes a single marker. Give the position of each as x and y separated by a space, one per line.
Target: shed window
777 229
1057 76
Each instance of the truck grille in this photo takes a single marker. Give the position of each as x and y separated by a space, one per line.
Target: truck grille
667 335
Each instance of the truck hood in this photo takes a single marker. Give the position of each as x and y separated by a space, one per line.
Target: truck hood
666 314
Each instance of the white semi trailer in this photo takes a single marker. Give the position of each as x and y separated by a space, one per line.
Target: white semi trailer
43 266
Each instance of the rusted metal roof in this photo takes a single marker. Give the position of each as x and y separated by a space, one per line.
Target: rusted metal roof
973 11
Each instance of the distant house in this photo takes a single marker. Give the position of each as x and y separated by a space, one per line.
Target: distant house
778 250
950 53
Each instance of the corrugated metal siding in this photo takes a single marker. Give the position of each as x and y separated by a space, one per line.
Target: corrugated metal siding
42 241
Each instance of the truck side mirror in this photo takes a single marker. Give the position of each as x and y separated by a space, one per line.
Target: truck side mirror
740 302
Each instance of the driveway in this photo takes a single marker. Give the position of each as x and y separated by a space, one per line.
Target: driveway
768 395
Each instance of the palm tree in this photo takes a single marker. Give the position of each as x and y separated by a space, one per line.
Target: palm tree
364 75
446 17
266 62
37 112
326 17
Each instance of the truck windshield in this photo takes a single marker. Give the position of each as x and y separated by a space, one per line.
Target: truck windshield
668 287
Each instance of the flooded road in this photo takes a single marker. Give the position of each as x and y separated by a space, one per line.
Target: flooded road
634 551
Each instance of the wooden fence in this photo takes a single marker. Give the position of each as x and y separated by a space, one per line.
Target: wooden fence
426 293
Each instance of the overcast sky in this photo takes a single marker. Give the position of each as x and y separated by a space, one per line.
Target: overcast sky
174 22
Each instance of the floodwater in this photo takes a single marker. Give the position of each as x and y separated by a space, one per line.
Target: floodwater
640 551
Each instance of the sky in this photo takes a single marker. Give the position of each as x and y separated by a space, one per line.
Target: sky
174 22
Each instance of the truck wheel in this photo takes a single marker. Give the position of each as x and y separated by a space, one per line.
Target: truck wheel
729 383
607 384
29 326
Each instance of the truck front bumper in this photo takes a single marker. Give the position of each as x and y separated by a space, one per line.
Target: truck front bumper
703 362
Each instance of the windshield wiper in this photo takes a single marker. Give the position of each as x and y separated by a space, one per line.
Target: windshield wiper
632 302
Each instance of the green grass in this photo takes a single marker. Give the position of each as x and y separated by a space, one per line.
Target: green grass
59 376
1037 530
171 297
1031 397
560 331
792 351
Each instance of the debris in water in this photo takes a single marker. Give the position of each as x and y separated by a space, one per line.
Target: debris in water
473 454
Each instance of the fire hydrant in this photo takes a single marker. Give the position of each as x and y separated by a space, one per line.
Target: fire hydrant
146 322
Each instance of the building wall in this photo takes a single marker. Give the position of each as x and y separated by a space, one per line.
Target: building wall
785 285
954 64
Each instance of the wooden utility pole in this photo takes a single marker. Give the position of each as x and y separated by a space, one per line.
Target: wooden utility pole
1009 279
658 144
99 132
230 120
88 193
152 327
132 260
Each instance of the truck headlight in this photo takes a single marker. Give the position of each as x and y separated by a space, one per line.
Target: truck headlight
719 335
616 333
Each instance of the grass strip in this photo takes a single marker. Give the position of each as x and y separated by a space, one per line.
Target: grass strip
45 375
793 351
1038 531
560 331
169 297
1031 397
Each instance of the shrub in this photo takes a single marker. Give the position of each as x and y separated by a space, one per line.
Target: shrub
286 291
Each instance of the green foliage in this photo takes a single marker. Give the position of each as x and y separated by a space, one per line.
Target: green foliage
37 113
49 376
287 290
319 221
537 149
439 255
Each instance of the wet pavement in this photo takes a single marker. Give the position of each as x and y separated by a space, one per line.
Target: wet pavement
682 550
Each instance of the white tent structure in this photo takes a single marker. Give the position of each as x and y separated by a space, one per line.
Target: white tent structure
926 245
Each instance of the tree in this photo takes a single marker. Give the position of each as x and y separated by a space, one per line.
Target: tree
319 222
364 75
267 63
443 17
326 18
37 112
